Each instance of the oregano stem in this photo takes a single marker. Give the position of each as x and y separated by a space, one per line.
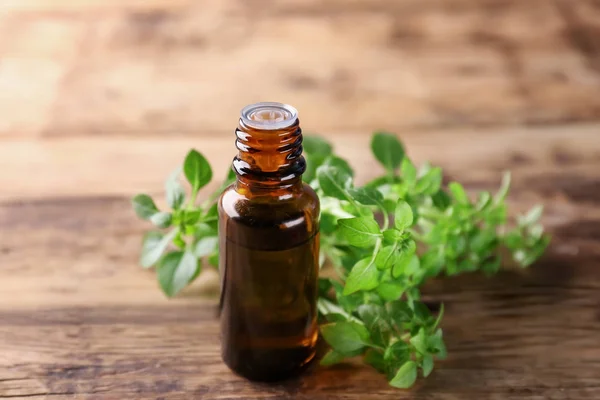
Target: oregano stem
386 216
192 202
352 201
375 250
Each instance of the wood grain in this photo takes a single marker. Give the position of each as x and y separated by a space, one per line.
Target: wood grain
78 317
190 66
102 99
67 166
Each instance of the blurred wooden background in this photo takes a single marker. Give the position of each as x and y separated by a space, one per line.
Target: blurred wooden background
101 99
104 74
108 67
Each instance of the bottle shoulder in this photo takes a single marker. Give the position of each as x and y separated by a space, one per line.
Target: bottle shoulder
285 205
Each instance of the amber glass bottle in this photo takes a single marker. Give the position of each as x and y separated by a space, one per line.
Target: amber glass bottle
269 246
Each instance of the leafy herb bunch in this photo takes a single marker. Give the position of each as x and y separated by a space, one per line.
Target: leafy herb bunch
384 240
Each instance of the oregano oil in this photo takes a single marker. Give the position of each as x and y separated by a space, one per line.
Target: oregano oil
269 247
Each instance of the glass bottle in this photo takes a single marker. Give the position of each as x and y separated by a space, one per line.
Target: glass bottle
268 246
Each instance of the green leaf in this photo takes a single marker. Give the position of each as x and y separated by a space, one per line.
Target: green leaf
316 145
439 317
513 239
144 206
536 231
441 199
175 271
504 187
484 200
398 351
392 236
190 217
430 183
413 266
408 246
387 150
432 262
340 163
178 241
526 257
153 245
435 344
150 242
345 337
409 172
380 181
366 196
458 192
334 182
161 219
363 276
374 318
327 307
206 246
532 216
496 215
331 357
407 263
391 290
400 312
327 223
196 170
403 215
422 313
456 247
372 315
491 266
197 273
375 359
213 259
174 190
389 205
420 341
427 365
386 257
483 242
406 376
360 232
336 318
312 163
212 214
324 285
350 302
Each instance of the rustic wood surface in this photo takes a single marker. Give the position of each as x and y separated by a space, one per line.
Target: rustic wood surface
101 99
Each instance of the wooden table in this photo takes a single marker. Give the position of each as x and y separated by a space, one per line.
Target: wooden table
102 99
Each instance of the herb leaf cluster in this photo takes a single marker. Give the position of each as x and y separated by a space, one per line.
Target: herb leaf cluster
383 241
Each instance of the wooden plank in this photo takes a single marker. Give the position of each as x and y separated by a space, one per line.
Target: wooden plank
79 318
583 29
374 65
102 100
76 251
114 357
107 331
37 55
77 167
42 6
502 333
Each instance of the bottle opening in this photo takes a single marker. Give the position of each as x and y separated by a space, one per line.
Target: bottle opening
269 115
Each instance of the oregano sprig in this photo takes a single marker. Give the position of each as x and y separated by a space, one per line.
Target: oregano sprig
383 241
192 228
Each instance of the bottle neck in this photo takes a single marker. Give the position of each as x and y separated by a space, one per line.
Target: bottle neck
269 159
